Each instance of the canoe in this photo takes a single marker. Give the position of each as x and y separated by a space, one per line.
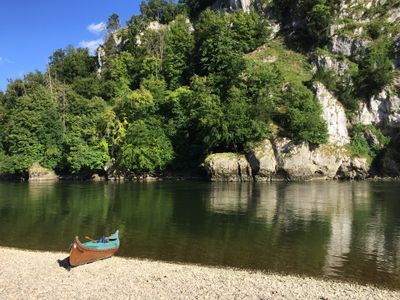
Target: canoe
83 253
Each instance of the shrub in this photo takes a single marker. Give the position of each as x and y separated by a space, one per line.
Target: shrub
377 68
301 119
360 146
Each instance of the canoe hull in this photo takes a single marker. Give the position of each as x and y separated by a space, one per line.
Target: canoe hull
80 255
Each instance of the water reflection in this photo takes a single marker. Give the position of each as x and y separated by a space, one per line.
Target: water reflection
345 230
359 235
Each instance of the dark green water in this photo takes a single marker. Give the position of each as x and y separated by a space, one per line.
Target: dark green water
348 231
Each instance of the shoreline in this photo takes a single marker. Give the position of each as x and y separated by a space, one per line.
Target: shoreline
26 274
190 179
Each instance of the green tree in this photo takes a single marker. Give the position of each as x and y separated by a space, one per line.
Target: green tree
249 30
138 104
32 127
301 118
219 56
69 64
163 11
146 148
113 23
376 68
84 150
177 66
319 19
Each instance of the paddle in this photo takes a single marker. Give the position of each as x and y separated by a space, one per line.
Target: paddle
90 239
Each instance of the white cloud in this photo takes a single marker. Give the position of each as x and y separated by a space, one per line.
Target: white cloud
97 28
91 45
6 60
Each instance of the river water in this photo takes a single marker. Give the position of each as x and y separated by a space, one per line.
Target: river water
341 230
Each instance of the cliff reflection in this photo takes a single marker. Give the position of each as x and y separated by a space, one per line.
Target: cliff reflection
363 230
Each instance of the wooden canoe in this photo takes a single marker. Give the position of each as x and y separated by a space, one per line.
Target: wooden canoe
83 253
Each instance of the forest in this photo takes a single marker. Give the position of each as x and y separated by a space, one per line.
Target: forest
175 83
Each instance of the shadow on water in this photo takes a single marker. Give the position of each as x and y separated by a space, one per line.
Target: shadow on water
348 231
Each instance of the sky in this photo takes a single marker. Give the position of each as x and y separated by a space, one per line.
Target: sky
31 30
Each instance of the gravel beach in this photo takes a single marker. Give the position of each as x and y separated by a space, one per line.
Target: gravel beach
37 275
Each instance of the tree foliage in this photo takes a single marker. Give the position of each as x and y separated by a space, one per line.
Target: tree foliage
164 96
377 69
302 119
146 148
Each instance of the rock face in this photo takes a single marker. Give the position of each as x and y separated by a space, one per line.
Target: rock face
263 162
228 167
280 160
232 5
356 168
348 46
299 162
349 9
101 53
394 15
152 26
333 114
39 173
328 63
382 110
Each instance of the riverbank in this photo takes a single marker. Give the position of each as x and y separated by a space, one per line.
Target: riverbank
33 275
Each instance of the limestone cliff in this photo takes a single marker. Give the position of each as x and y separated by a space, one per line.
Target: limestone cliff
232 5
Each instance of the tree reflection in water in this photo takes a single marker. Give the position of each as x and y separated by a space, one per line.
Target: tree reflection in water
346 230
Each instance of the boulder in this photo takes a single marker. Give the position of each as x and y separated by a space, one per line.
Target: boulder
262 161
334 115
300 162
353 168
228 167
39 173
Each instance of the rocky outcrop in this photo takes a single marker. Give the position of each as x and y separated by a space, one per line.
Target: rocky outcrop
263 162
281 159
383 109
232 5
101 52
353 168
348 46
300 162
351 9
333 114
152 26
278 160
393 15
228 167
329 63
39 173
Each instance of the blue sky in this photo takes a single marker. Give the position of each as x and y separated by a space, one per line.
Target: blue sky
31 30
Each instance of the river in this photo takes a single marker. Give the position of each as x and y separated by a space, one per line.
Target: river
341 230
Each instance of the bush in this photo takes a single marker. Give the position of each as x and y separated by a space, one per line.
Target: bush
361 146
301 118
377 69
316 17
